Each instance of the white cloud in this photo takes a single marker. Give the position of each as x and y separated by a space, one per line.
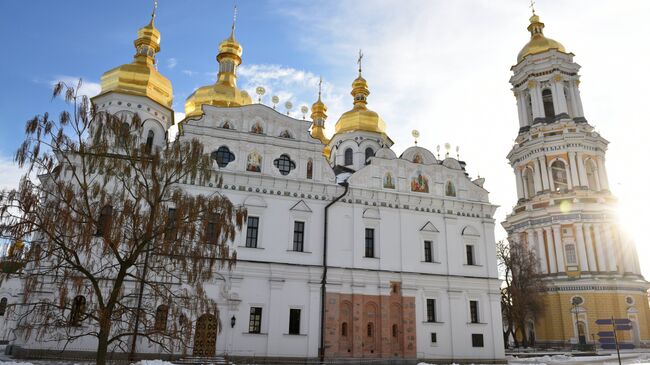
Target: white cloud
443 68
171 63
88 88
10 173
189 73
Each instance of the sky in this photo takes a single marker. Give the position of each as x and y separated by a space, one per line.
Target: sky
441 67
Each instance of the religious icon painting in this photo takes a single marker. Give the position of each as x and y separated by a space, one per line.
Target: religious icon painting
389 181
417 158
420 183
257 129
254 162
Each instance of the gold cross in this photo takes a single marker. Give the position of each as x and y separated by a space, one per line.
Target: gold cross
320 84
532 6
359 60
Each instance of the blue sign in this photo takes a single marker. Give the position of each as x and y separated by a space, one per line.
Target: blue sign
606 334
623 327
616 321
606 340
622 346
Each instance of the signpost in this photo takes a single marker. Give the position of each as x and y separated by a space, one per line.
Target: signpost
609 339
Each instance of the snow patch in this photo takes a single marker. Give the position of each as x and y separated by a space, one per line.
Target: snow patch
151 362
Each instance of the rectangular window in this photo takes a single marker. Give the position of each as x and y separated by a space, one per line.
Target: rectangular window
434 337
294 321
370 242
298 236
251 231
477 340
431 310
255 321
469 251
428 254
473 311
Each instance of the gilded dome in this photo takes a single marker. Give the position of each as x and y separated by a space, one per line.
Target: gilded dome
224 92
140 77
538 42
360 118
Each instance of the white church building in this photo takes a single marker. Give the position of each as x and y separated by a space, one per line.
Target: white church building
350 248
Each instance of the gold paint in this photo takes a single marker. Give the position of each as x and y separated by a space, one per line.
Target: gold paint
538 43
360 118
531 84
319 115
224 92
140 77
557 77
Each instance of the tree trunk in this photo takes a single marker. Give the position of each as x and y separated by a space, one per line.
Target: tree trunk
102 339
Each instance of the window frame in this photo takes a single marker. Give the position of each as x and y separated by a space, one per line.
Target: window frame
370 240
299 245
284 164
294 328
249 241
430 310
470 254
474 311
428 251
255 320
478 340
348 160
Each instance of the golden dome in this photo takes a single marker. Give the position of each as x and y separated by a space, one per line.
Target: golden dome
538 43
360 118
224 92
140 77
318 116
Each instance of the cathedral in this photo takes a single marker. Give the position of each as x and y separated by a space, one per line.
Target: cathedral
565 211
349 250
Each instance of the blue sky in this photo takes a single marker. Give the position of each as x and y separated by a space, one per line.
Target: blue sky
441 67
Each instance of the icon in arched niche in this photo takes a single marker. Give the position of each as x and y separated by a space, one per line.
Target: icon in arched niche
389 181
417 158
310 168
257 128
420 183
254 162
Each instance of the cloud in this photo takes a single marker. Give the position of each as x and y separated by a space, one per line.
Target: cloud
11 173
88 88
171 63
189 73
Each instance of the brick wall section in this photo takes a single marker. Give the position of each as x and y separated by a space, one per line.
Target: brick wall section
392 321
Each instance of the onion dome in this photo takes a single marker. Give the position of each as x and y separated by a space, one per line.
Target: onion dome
360 118
140 77
538 42
318 117
224 92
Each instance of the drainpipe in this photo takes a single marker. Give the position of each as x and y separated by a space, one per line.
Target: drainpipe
323 283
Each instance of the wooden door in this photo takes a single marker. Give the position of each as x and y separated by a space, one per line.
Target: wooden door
205 336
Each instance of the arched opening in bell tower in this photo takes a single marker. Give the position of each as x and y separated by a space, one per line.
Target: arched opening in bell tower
592 175
559 175
547 99
529 183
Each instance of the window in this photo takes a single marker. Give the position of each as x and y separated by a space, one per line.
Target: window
3 306
570 252
369 153
469 253
104 222
255 320
160 323
434 337
450 190
592 181
529 182
294 321
428 254
395 330
310 168
211 229
529 108
348 157
473 311
370 331
149 144
558 173
547 98
284 164
431 310
477 340
252 227
125 130
344 329
77 310
298 236
223 156
370 242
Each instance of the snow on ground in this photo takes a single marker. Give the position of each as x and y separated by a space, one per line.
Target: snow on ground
153 362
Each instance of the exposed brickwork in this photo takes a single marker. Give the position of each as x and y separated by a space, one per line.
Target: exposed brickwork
358 325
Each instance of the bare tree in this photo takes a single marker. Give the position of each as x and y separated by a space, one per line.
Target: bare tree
122 248
521 291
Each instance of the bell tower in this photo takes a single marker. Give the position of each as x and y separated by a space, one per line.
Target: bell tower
565 212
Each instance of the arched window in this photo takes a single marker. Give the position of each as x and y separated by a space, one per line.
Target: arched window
394 330
284 164
529 183
348 157
569 101
149 144
529 109
547 99
310 168
570 253
592 174
370 330
558 173
344 329
369 153
77 311
223 156
3 306
104 221
450 190
161 318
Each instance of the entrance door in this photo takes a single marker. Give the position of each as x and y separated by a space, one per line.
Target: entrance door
582 337
205 336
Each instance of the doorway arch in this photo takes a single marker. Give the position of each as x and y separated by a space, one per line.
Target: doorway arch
205 336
